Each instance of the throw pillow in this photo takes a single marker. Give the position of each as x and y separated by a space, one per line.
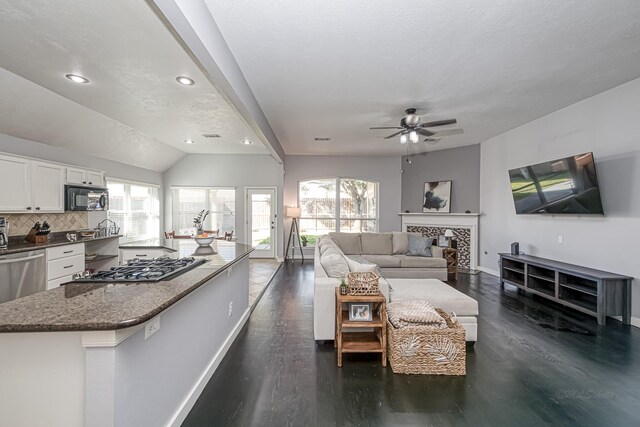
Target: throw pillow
334 265
419 245
355 266
400 243
328 245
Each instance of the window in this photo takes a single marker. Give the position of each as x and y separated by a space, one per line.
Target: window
337 204
187 202
135 208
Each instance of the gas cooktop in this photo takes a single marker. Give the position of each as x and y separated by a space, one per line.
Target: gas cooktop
144 270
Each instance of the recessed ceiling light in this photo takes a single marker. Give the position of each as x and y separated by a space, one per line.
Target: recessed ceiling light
247 142
188 141
77 78
321 138
184 80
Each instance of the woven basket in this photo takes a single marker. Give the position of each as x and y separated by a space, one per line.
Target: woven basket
363 283
428 350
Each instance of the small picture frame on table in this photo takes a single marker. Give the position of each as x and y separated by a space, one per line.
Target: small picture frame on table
360 312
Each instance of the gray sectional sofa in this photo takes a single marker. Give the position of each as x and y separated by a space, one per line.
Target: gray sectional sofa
389 252
331 262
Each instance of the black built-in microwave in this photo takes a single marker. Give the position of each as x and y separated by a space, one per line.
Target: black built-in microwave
78 198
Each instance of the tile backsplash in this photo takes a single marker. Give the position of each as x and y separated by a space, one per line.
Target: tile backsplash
20 224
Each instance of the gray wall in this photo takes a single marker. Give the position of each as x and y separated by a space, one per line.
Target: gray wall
606 124
384 170
239 171
460 165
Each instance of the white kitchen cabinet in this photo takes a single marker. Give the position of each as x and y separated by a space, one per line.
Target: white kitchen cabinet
85 177
47 187
30 186
63 262
15 176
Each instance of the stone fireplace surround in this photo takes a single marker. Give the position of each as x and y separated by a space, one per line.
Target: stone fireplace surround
464 227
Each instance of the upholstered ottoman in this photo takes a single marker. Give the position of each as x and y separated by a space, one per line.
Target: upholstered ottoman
441 295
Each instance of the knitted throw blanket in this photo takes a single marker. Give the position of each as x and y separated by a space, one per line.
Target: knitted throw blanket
414 313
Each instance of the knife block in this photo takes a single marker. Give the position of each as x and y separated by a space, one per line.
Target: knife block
38 239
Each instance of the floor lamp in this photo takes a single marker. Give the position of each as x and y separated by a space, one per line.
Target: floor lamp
294 214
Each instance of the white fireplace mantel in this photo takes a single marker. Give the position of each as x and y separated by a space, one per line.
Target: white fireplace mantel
450 220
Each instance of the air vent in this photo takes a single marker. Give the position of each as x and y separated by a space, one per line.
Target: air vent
322 139
211 135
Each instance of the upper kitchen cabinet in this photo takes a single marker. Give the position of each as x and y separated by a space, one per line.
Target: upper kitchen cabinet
47 187
85 177
30 185
15 193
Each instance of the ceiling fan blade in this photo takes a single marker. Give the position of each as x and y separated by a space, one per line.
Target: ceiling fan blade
432 141
395 134
450 132
425 132
439 123
387 127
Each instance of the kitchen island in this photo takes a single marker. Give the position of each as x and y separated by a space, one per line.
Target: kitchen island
116 354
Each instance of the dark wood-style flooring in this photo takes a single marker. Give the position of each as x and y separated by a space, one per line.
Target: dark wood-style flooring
533 365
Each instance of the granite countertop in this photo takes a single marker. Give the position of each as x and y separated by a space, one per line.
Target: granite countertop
18 244
101 306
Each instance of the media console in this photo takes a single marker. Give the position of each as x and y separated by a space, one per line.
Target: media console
594 292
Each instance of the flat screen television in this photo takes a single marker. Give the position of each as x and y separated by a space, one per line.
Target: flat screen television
563 186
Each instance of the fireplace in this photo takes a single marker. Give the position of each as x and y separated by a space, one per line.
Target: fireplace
465 230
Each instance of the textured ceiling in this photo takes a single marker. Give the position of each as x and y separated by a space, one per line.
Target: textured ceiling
334 68
133 110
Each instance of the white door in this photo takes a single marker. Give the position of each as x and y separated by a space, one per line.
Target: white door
75 176
261 221
15 194
47 187
94 178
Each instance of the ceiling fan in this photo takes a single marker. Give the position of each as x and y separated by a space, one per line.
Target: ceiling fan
411 126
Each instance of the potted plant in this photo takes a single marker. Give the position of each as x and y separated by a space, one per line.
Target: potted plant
198 222
305 240
343 286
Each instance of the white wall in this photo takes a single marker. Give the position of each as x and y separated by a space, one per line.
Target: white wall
384 170
239 171
606 124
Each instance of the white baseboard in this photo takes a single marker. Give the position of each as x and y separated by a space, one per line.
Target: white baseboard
489 270
191 398
280 259
635 321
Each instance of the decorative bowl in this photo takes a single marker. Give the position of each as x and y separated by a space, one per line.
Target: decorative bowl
204 241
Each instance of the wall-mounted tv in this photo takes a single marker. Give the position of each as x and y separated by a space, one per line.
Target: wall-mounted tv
563 186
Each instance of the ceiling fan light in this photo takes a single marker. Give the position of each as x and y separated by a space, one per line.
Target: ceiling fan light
412 119
403 138
413 137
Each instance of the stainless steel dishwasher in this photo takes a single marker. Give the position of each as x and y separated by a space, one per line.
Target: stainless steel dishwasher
22 274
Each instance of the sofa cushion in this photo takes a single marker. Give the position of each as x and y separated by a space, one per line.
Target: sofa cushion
383 261
419 245
420 261
331 250
377 243
348 242
355 266
400 243
334 265
437 252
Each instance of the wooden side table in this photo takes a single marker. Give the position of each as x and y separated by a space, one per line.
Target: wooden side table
348 341
451 255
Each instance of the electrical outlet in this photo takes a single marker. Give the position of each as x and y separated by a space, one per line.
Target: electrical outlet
230 308
560 239
151 327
